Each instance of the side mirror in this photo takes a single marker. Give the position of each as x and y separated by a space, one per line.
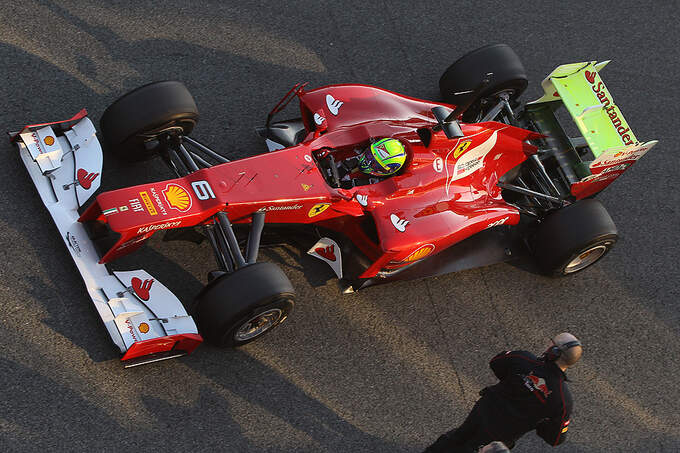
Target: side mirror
450 127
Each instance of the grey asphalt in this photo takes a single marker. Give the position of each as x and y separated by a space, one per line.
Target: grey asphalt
384 370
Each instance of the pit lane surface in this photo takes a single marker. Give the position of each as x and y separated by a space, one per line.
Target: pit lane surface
390 368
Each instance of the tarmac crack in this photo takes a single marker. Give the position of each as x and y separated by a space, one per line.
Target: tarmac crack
496 307
445 337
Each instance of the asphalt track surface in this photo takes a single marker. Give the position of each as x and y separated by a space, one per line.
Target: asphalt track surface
384 370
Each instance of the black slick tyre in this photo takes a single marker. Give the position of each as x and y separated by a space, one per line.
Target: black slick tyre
138 118
468 71
573 238
237 308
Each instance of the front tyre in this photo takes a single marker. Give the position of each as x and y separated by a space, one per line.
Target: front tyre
136 120
573 238
237 308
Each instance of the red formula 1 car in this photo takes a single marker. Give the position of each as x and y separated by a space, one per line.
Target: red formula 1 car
485 180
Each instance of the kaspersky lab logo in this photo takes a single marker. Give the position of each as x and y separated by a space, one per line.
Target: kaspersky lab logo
177 197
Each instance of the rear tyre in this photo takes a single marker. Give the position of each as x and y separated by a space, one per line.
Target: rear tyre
237 308
133 124
468 71
573 238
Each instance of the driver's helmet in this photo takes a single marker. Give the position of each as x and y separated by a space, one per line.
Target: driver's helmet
384 157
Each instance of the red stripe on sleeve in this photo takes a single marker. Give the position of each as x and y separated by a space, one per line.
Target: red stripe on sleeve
564 413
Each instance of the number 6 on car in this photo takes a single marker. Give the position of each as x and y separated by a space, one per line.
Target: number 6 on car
202 190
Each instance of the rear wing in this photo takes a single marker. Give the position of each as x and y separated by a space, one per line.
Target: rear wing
604 130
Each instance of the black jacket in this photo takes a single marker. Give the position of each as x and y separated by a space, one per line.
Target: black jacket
531 394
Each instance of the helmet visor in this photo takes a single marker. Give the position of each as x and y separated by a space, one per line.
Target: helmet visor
369 165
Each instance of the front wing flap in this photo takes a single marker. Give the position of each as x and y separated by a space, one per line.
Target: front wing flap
143 317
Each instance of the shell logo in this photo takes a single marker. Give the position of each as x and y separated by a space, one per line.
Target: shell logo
177 197
144 327
49 140
419 253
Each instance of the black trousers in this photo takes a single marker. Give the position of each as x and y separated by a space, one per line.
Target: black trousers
468 437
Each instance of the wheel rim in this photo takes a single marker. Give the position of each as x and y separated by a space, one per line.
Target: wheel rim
170 128
585 259
509 91
259 324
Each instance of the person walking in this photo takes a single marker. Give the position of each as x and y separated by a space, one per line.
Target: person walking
531 394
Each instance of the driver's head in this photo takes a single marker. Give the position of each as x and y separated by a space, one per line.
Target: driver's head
384 157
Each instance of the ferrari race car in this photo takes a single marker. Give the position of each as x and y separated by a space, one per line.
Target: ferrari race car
486 179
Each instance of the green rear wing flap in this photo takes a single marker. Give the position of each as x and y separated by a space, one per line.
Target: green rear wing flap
579 87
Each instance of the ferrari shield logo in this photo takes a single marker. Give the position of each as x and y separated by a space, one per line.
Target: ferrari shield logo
461 148
318 209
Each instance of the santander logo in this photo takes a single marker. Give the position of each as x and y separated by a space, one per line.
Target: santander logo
608 104
399 223
333 104
142 288
590 77
85 178
328 252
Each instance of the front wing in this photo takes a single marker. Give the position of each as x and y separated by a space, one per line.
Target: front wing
144 319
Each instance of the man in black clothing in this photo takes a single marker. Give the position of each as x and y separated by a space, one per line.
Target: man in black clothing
531 394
